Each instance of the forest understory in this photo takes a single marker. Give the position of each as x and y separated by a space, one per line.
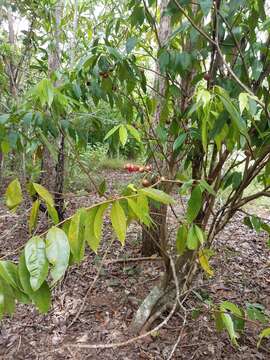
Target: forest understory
242 275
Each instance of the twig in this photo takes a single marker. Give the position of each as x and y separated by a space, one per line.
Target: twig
149 258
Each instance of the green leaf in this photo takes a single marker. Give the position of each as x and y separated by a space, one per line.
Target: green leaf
140 209
204 263
179 141
157 195
228 324
34 215
53 213
243 102
192 239
57 252
7 299
205 186
111 132
76 236
263 334
36 261
89 233
234 114
134 132
99 219
206 6
131 43
194 204
119 221
181 239
45 92
13 195
123 135
9 272
44 194
255 312
42 297
199 233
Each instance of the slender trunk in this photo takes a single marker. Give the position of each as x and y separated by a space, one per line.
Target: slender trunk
74 35
155 238
11 39
53 174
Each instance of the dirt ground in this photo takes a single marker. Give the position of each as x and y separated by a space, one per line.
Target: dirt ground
242 275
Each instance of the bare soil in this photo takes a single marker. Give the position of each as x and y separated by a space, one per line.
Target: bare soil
242 275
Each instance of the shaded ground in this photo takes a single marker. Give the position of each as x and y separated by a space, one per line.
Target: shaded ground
242 274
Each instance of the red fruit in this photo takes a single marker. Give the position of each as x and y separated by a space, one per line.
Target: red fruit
136 167
148 168
141 169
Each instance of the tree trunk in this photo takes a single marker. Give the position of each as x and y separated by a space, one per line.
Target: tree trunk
154 238
53 174
11 39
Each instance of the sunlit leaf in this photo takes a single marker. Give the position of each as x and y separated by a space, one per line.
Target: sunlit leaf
57 252
34 215
119 221
13 195
36 261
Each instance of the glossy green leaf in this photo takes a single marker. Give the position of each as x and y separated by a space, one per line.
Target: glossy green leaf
119 221
7 299
99 219
205 186
228 324
9 272
192 239
41 297
157 195
123 135
13 195
34 215
76 236
57 252
243 102
111 132
44 194
36 261
181 239
89 233
134 132
203 260
179 141
199 233
53 213
194 204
